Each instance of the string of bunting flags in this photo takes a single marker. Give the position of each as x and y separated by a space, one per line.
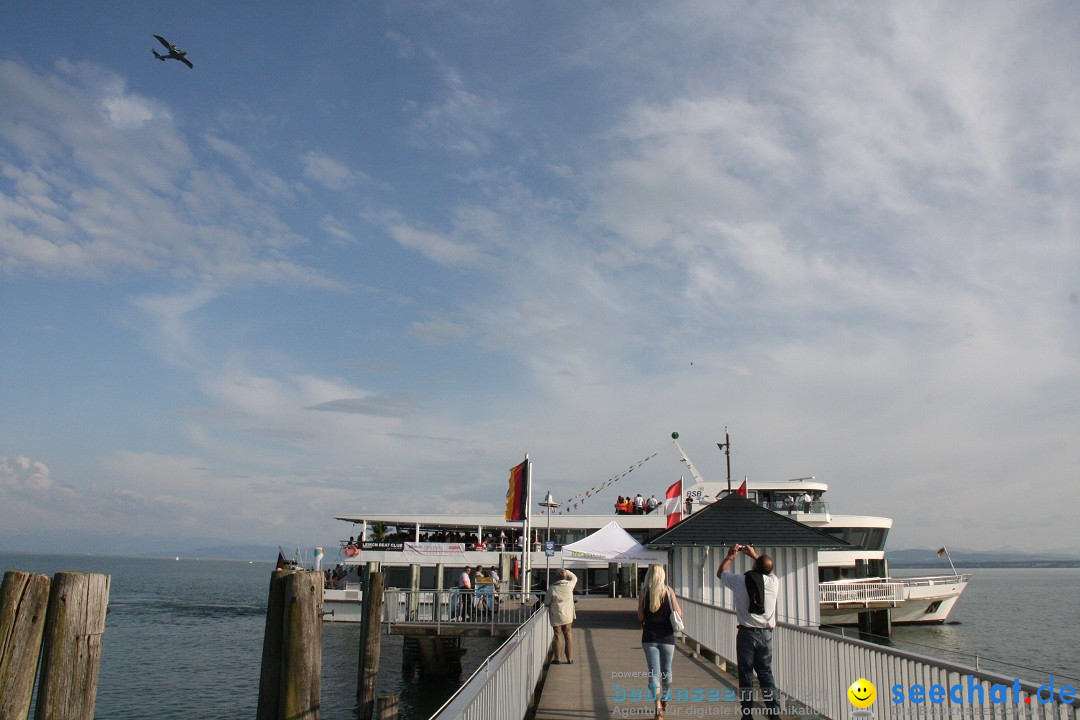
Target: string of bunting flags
573 503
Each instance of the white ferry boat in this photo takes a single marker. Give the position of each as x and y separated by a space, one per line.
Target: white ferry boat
849 580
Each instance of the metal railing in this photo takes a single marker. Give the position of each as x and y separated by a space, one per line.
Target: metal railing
505 683
457 607
861 592
933 580
816 668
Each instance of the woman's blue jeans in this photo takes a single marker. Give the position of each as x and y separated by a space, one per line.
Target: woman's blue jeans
659 655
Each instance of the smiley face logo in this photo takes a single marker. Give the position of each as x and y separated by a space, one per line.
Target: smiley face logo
862 693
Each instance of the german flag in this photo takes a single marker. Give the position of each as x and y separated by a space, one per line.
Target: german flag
516 495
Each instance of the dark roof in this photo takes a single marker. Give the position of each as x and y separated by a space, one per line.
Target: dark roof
734 519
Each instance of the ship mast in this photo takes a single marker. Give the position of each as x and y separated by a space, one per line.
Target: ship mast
690 466
726 447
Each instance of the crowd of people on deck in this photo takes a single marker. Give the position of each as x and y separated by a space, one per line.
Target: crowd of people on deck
636 505
471 541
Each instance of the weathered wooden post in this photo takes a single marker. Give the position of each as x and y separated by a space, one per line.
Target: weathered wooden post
71 651
371 647
301 648
23 601
386 707
290 682
270 675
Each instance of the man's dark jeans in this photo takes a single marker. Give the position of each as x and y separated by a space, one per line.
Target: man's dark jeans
753 650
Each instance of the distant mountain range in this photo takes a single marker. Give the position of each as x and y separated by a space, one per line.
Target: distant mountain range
133 545
980 558
120 543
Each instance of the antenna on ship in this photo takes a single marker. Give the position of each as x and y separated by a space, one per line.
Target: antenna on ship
726 447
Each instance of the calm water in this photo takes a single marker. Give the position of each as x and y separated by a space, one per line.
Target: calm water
184 640
1020 622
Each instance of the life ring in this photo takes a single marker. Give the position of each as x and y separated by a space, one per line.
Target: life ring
517 570
351 550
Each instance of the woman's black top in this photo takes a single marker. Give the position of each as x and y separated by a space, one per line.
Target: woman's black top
657 627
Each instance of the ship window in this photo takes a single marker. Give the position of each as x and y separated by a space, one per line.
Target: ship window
864 538
829 573
876 539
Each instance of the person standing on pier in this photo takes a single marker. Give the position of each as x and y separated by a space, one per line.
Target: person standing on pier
755 611
561 611
655 604
465 595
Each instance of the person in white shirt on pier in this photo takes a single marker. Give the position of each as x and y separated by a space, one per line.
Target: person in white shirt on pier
755 611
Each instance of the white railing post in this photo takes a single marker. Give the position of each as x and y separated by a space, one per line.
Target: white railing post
804 673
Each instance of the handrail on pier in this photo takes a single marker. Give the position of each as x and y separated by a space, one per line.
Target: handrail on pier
504 684
458 608
815 668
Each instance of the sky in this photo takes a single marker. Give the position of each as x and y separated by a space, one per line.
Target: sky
363 257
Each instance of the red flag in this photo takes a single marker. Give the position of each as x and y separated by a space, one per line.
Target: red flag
516 493
742 489
673 503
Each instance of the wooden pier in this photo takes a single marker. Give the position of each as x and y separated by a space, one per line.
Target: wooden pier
610 671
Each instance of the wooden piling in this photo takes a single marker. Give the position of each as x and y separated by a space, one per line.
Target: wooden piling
301 647
386 707
24 598
290 682
71 649
270 675
370 649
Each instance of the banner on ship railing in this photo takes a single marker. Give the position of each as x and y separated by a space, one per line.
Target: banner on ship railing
381 545
420 550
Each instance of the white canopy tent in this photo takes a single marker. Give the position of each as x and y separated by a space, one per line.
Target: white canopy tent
611 544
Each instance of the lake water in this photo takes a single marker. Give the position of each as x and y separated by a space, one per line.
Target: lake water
184 639
1020 622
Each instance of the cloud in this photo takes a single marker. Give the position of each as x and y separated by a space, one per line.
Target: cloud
267 182
460 120
332 226
123 189
379 405
325 171
440 331
20 474
438 247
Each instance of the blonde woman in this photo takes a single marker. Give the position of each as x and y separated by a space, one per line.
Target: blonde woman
655 603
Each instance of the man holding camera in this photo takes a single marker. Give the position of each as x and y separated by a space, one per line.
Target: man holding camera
755 611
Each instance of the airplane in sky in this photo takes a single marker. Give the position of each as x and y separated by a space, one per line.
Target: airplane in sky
175 53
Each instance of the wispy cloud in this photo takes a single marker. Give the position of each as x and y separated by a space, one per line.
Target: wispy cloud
326 171
380 405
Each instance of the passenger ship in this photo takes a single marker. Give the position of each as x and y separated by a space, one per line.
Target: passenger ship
849 580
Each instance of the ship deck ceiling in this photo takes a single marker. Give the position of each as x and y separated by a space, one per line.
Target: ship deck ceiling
562 522
578 522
